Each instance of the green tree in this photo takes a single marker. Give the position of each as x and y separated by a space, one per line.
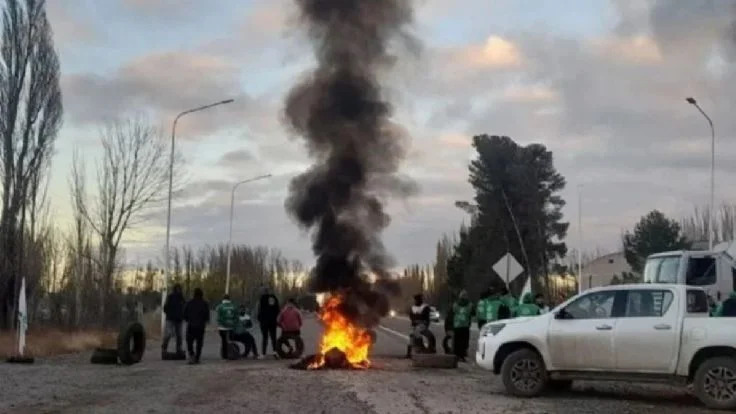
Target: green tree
519 211
654 233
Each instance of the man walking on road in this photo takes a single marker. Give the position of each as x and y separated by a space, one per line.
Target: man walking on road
462 312
268 313
226 318
174 310
197 316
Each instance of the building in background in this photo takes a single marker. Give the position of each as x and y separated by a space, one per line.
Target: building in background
601 271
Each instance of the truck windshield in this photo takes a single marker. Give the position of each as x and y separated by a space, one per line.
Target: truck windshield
662 269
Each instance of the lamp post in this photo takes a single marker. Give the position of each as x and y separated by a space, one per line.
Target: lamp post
693 102
580 239
230 239
168 209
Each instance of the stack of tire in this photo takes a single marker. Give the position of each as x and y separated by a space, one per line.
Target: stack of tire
130 350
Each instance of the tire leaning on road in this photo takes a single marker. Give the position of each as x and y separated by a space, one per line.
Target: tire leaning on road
447 345
294 352
524 374
713 383
131 343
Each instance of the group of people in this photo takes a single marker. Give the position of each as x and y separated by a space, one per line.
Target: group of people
233 323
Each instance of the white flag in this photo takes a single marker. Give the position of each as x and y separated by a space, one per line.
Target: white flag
527 287
22 318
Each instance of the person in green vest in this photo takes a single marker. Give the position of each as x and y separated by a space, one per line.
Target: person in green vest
496 309
508 299
462 313
480 308
528 307
226 318
727 307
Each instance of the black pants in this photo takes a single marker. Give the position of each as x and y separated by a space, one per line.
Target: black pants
224 340
461 341
249 342
195 334
268 330
172 328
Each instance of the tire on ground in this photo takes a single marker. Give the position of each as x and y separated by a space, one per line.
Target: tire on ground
131 343
104 356
233 351
706 374
524 374
246 348
447 345
285 351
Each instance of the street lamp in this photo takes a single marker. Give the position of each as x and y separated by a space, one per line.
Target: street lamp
580 239
230 240
168 210
693 102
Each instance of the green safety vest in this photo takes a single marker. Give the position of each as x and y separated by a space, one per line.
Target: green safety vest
492 307
511 302
527 309
480 309
461 315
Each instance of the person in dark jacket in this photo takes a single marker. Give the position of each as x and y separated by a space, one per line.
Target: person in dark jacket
462 314
268 313
174 310
419 316
197 314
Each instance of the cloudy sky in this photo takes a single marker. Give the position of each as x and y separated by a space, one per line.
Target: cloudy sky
600 82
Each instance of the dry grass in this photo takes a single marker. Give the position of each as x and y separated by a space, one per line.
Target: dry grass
44 342
50 342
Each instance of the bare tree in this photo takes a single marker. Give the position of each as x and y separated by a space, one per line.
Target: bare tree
30 117
131 177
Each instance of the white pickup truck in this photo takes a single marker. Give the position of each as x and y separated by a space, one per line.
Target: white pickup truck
639 333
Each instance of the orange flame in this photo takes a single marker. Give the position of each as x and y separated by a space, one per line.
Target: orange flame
342 334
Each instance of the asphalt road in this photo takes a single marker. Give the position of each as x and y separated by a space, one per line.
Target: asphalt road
70 384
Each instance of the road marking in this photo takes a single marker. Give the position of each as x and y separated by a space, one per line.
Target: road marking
397 333
472 327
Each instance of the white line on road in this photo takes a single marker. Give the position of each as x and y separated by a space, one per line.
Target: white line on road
472 327
397 333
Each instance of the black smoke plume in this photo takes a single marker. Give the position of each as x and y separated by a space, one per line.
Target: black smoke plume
340 112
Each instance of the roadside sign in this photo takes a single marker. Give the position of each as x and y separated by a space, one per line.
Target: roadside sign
508 268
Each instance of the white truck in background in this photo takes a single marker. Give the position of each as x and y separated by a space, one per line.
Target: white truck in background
714 271
633 333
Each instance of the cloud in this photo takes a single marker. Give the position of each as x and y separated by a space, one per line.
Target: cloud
69 29
638 49
495 53
148 83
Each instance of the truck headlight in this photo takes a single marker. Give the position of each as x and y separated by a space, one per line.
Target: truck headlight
491 328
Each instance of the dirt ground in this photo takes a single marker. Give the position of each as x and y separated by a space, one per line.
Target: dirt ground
70 384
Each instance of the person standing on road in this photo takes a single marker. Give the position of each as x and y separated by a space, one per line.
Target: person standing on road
226 317
496 308
727 308
419 316
241 333
268 313
509 300
528 307
480 308
197 315
290 319
462 312
174 310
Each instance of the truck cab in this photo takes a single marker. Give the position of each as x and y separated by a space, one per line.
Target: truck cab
714 271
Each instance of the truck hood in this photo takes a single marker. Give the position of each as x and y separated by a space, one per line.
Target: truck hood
515 321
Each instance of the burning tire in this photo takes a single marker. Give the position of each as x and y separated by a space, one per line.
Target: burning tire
447 345
104 356
291 352
131 344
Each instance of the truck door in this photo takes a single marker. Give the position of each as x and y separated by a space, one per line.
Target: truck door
647 335
580 337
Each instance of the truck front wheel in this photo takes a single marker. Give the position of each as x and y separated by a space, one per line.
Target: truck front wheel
524 374
715 383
